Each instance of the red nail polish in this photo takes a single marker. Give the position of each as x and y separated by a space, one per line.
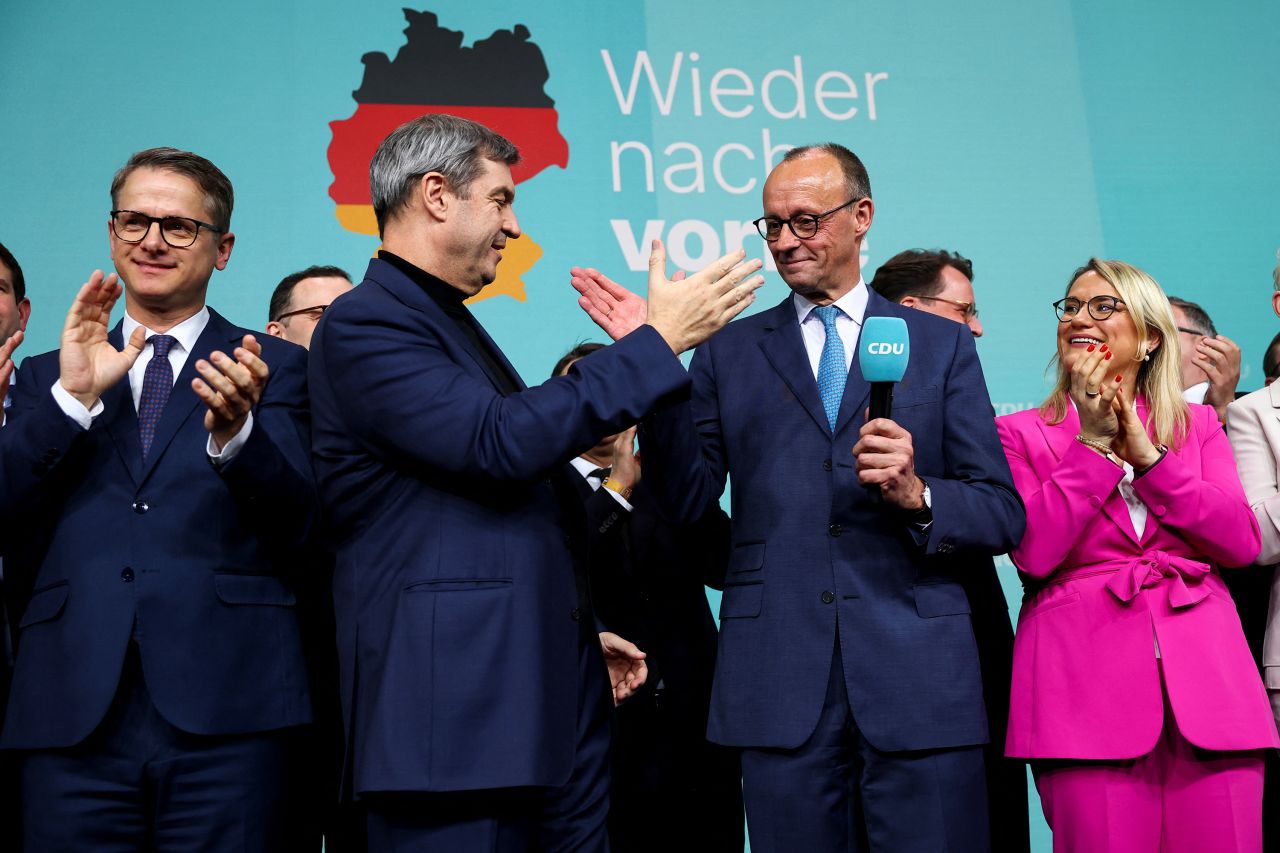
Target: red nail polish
1104 347
1108 358
1090 349
1118 378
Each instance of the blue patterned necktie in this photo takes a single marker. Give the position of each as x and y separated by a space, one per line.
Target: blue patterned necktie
157 382
832 371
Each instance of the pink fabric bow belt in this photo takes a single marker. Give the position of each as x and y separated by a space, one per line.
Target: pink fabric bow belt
1152 567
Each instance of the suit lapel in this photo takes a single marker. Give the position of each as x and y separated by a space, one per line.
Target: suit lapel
120 418
218 334
408 292
1060 437
784 349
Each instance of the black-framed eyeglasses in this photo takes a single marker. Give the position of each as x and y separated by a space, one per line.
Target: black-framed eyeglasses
1100 307
968 309
179 232
1193 332
803 225
316 310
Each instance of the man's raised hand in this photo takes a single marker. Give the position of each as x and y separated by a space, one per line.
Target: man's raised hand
88 363
230 387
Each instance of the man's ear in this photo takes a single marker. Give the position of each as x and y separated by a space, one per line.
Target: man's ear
275 329
909 301
24 313
435 196
1275 302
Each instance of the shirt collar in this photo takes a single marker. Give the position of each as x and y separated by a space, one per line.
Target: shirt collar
583 466
853 304
185 333
438 289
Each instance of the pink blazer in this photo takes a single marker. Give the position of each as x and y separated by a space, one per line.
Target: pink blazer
1086 683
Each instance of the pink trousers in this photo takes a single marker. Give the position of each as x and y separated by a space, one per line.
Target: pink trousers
1177 797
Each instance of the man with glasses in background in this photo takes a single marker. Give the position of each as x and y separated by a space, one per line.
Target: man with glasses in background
939 282
159 681
300 299
1210 361
847 671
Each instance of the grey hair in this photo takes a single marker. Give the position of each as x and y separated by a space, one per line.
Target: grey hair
434 142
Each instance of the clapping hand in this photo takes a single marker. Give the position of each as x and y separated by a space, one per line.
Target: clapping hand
230 387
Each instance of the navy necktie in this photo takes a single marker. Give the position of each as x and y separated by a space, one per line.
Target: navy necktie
157 382
832 370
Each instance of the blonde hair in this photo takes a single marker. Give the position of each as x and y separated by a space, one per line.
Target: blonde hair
1160 378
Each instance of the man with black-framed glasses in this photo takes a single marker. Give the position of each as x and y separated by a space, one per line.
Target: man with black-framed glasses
159 687
1210 361
848 672
300 300
938 281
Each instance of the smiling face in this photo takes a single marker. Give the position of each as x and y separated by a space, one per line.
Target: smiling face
1078 333
824 267
479 226
164 285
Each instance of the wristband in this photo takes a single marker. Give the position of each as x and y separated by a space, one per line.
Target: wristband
614 486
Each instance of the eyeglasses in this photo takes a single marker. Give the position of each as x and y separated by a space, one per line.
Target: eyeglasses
316 310
1100 307
803 225
1193 332
968 309
178 231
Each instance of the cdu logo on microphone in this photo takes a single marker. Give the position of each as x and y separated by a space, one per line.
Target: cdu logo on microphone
885 349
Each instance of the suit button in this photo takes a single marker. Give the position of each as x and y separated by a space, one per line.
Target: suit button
126 575
1095 501
828 596
826 464
945 548
141 507
575 614
835 530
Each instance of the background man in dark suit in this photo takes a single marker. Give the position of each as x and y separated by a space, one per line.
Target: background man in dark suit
15 310
297 303
941 283
671 786
473 686
847 669
159 667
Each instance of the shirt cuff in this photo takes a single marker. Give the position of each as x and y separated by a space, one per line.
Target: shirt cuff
233 446
619 498
73 408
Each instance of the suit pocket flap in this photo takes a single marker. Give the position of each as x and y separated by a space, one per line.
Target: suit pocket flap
1271 675
253 589
916 397
747 557
741 600
46 604
941 599
457 584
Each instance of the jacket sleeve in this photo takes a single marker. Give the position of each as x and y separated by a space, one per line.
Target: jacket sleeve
406 396
975 504
1206 507
1257 465
1061 502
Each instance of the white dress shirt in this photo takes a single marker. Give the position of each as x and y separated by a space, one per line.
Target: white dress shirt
1195 394
853 308
185 335
585 467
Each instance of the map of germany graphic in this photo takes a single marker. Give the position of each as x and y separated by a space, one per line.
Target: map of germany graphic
498 82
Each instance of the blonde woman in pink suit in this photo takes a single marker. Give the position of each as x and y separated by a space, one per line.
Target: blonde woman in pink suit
1134 694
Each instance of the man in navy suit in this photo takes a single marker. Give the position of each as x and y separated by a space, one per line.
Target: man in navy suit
162 471
474 691
847 671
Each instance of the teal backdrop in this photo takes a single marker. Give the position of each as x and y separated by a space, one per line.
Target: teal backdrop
1026 135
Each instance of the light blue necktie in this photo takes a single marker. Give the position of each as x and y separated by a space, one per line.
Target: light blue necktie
832 371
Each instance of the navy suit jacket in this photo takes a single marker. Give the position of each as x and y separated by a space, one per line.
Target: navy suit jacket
454 591
187 552
812 551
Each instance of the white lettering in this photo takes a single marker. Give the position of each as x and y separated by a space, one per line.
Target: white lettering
797 81
717 171
821 94
885 348
869 84
625 104
637 258
616 150
678 244
718 91
699 183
